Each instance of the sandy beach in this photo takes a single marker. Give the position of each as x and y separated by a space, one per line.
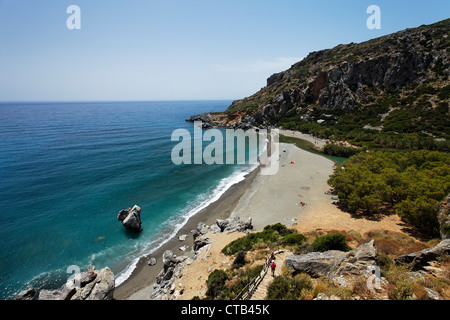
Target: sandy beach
319 143
294 196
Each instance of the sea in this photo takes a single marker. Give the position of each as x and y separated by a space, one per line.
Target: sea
68 168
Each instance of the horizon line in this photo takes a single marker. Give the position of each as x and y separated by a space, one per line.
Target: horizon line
93 101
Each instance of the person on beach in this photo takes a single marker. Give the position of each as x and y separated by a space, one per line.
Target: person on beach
273 266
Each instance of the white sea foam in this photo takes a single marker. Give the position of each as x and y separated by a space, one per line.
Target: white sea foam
201 203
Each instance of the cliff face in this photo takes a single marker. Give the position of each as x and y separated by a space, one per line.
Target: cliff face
407 68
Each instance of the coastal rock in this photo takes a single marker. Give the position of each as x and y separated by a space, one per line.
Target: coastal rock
222 224
104 286
152 261
419 260
201 242
89 285
172 269
201 229
234 224
27 294
131 218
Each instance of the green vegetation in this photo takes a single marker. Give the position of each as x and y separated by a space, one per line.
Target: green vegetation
225 285
290 287
271 235
412 183
334 241
341 151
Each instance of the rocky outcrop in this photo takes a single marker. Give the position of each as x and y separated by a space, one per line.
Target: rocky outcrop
349 77
358 261
227 225
419 260
334 263
172 268
89 285
316 263
131 218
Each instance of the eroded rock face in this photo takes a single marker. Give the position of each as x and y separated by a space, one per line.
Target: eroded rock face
131 218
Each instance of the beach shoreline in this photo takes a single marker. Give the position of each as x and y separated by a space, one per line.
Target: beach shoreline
301 178
138 286
295 196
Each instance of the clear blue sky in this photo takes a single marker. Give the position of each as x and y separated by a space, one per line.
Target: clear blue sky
178 49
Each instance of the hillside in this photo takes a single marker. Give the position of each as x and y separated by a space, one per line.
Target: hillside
389 92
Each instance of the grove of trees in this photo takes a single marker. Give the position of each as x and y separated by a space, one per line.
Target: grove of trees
413 183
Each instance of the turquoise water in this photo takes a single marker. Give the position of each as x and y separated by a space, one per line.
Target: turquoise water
67 169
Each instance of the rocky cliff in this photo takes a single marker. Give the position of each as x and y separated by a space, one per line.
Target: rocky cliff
378 85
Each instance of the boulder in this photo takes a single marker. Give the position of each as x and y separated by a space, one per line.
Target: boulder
131 218
334 263
27 294
357 261
104 286
89 285
418 260
152 261
200 242
222 224
316 263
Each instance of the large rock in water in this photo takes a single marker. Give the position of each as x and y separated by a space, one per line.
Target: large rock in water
131 218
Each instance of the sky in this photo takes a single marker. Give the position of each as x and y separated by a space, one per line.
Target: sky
178 49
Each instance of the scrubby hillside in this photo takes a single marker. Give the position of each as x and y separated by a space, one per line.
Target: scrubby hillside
389 92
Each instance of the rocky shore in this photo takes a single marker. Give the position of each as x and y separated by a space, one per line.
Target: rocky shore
91 284
165 288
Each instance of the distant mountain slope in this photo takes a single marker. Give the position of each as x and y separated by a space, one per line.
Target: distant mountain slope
395 88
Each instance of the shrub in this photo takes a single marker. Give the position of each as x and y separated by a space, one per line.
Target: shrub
334 241
294 239
239 261
271 234
289 287
403 289
215 283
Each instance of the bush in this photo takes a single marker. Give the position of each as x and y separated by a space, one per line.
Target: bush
294 239
289 287
270 235
402 290
231 288
215 283
239 261
334 241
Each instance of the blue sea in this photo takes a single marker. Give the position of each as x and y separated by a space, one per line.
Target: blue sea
67 169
